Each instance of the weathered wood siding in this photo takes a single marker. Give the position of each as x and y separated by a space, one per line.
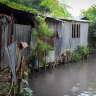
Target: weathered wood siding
22 33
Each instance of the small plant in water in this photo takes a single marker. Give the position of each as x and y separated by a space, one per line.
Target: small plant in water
82 51
75 57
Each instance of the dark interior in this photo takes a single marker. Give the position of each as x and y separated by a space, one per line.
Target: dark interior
20 16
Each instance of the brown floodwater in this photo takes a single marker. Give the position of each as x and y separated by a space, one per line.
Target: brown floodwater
72 79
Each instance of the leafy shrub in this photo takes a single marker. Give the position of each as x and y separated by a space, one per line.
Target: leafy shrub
79 49
82 50
25 82
75 57
68 53
26 92
91 50
20 6
85 50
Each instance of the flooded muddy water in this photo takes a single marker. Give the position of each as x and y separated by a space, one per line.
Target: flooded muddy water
72 79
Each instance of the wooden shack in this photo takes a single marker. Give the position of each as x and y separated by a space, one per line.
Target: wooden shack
70 34
15 25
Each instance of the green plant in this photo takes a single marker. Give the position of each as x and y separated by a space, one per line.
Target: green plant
25 82
91 50
44 47
26 92
85 51
79 49
68 53
33 50
20 6
82 50
75 57
90 14
57 8
42 33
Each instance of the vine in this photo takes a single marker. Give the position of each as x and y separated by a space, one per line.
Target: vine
42 33
20 6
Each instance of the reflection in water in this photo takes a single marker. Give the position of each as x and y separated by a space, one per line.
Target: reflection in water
73 79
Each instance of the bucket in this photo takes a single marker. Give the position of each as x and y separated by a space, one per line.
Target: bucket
35 61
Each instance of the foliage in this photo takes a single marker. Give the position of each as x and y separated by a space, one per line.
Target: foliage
33 50
91 15
32 3
75 57
43 46
82 50
52 7
26 92
57 9
20 6
68 53
36 5
25 82
91 50
42 29
42 33
25 73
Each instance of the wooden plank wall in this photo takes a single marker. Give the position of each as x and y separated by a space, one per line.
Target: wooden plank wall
22 33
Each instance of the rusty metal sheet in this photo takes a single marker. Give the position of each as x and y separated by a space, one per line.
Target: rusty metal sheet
22 33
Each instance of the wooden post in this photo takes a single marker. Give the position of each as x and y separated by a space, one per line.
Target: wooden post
0 42
12 26
21 67
19 77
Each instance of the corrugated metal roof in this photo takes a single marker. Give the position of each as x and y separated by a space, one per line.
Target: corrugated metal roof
68 20
51 18
55 19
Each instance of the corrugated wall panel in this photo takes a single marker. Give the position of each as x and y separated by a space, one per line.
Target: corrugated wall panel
4 42
22 33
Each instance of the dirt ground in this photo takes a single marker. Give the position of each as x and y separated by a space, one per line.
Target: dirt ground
5 82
